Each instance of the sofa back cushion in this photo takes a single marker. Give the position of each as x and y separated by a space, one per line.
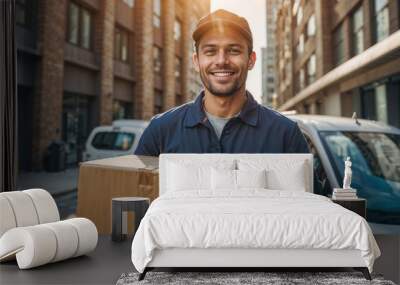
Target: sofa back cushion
26 208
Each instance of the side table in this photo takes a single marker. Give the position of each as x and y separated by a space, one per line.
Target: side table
358 205
120 207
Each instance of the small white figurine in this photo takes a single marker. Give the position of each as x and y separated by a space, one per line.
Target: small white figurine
347 174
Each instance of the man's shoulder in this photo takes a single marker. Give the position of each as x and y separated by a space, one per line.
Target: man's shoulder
270 115
171 116
284 128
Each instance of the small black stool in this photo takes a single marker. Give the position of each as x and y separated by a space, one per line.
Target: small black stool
120 206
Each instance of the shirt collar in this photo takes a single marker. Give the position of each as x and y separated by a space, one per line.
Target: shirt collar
196 115
249 112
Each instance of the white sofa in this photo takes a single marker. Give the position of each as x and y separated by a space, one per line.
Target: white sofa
31 231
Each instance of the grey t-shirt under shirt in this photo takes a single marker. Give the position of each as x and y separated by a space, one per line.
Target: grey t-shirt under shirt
218 123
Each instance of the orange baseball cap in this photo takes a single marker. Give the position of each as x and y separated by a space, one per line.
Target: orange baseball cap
220 19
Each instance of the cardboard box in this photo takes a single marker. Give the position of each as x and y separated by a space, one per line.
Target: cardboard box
124 176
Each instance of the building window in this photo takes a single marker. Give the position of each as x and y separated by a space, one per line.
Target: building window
179 99
296 83
178 69
382 19
381 103
374 103
85 29
22 13
288 72
130 3
300 45
311 26
302 80
296 5
311 69
122 110
157 59
299 15
357 23
177 30
338 45
79 26
76 124
73 23
158 102
121 44
157 13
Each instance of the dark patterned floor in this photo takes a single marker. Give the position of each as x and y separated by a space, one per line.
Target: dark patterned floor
243 278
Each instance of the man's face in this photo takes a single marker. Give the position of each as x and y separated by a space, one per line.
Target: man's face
223 61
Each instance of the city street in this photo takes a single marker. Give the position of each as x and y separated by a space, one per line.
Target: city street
62 186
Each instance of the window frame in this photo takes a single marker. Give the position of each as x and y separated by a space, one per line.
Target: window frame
81 10
299 15
158 102
159 53
300 45
130 3
114 134
177 23
308 29
178 62
337 43
157 14
355 31
26 7
126 107
118 44
313 75
376 13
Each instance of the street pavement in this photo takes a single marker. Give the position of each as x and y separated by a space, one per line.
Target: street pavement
61 185
54 182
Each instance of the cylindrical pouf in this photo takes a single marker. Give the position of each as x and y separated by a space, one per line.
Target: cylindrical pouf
67 239
45 205
23 208
34 246
7 218
87 235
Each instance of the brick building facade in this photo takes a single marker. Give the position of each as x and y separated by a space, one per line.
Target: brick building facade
268 54
83 63
339 57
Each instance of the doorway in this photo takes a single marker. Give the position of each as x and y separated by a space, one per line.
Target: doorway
76 125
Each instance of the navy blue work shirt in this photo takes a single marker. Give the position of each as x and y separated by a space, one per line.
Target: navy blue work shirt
186 129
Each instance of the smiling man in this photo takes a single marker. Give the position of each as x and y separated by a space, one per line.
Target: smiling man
224 118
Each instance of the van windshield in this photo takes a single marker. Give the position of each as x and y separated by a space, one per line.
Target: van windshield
376 169
113 141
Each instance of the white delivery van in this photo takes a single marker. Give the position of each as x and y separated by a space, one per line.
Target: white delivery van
121 138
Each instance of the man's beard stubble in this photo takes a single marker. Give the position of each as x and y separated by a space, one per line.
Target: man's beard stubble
213 90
